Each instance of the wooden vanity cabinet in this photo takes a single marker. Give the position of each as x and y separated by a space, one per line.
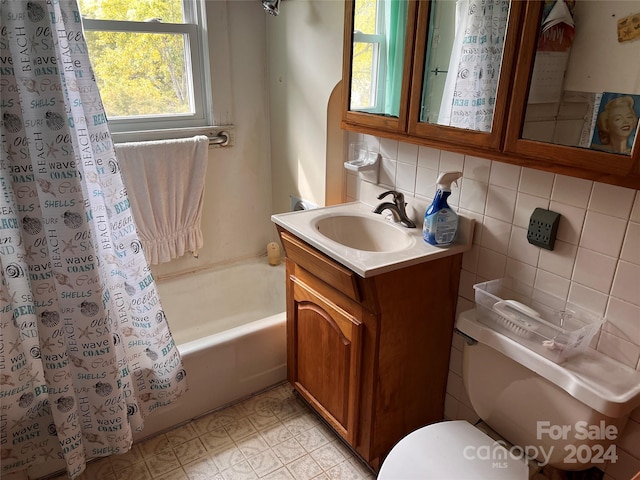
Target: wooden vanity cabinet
369 355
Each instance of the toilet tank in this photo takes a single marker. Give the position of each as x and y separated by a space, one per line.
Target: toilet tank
556 413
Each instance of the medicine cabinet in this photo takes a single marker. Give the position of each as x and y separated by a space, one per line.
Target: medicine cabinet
406 64
461 70
576 90
409 66
377 62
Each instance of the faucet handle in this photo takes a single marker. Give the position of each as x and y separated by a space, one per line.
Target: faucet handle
398 197
397 207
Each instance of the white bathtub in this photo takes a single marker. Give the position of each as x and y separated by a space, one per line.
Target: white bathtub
229 326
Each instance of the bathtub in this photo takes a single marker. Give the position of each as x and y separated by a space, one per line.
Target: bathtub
229 326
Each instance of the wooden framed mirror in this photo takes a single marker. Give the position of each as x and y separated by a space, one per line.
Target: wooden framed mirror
378 51
576 93
462 70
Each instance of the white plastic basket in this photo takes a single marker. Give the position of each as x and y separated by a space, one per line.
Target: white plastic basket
542 322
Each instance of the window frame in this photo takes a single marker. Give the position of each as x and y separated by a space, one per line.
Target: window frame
378 46
378 42
194 31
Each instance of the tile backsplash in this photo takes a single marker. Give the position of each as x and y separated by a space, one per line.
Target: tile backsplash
595 262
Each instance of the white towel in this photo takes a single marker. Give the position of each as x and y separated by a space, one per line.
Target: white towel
165 185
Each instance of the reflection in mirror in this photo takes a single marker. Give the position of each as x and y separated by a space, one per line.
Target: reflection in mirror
585 86
378 53
462 65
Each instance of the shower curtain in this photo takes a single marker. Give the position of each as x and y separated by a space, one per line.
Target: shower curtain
470 89
395 31
85 349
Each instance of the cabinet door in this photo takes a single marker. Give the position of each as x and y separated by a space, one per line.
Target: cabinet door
462 69
324 354
378 47
457 54
566 75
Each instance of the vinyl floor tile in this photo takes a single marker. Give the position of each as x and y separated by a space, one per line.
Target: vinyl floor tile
271 436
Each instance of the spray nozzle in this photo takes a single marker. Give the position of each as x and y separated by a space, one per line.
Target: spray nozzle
447 178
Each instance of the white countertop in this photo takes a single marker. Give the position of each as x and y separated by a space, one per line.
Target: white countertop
368 263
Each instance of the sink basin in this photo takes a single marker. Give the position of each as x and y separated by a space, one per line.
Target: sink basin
363 241
363 233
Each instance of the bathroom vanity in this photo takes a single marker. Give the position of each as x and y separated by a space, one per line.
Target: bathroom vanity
369 352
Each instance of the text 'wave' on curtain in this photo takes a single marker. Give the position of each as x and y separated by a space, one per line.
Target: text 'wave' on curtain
85 348
474 69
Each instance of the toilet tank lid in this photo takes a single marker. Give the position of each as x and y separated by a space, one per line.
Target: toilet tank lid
599 381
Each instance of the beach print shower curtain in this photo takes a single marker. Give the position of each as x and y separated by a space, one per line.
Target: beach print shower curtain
85 349
469 96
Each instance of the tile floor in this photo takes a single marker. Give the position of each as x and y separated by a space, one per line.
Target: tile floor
272 436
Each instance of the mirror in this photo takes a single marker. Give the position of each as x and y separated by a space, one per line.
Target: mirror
377 61
585 85
464 53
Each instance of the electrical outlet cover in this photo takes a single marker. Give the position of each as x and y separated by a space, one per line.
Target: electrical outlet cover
543 227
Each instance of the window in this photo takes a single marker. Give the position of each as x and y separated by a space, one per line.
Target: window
369 46
150 59
380 29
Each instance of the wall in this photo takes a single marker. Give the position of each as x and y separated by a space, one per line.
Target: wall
595 54
305 64
236 214
595 262
592 62
280 91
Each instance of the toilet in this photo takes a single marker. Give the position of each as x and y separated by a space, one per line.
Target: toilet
453 450
566 415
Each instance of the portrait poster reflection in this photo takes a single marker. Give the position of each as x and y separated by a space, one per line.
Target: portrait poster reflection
616 123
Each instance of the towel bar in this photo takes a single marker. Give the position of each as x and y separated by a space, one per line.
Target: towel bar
221 139
221 136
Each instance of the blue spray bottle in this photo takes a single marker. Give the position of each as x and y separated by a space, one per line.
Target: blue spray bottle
440 222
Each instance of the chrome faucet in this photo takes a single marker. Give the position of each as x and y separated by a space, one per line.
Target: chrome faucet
397 207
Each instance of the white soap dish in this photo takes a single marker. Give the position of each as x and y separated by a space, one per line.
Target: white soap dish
366 165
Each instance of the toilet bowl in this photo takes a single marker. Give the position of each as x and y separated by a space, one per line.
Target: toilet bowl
546 410
453 450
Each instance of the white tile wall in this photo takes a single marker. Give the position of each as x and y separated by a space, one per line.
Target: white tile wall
572 191
630 250
536 182
603 233
595 264
594 269
611 200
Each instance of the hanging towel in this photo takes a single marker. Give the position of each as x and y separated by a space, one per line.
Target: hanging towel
165 185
